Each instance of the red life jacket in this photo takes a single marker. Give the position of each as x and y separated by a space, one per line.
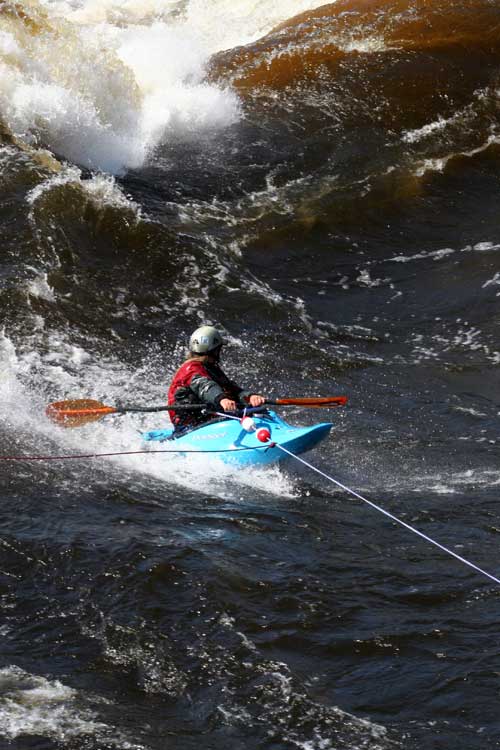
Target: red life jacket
181 381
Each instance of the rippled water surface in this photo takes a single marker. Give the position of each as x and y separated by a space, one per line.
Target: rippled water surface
322 182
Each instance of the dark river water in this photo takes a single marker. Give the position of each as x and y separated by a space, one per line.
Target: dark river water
325 188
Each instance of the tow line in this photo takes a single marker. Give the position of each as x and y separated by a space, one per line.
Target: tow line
390 515
72 456
264 437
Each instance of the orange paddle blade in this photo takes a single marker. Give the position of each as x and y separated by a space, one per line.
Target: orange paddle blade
325 401
77 412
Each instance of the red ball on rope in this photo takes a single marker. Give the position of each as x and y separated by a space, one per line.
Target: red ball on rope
263 435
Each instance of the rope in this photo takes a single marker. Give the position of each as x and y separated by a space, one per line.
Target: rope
125 453
391 516
133 453
265 446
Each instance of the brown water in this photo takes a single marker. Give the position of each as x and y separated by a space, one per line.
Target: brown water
324 187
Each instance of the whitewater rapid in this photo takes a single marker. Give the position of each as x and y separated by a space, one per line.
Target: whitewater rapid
104 84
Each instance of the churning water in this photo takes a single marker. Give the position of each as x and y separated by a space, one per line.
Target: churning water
323 183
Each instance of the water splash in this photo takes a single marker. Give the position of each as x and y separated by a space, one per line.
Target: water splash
101 96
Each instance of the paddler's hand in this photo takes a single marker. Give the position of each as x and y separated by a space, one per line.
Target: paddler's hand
228 404
256 400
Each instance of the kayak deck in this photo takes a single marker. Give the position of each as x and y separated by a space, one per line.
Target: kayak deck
230 443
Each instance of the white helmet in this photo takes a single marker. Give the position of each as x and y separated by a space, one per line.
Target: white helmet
204 340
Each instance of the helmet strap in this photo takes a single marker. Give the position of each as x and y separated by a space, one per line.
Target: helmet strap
215 353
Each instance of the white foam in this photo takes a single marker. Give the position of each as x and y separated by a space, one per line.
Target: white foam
229 23
102 189
33 705
412 136
439 164
486 247
69 371
454 482
112 11
495 281
221 24
472 412
104 83
119 93
367 45
40 287
367 281
433 255
442 489
465 338
480 247
8 366
8 45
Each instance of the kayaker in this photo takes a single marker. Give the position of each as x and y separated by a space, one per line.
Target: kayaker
201 380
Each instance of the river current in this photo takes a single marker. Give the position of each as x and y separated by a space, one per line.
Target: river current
322 182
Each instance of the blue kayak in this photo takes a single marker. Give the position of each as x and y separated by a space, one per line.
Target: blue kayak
229 442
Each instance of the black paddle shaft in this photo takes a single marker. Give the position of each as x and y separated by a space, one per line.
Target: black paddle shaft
174 407
182 407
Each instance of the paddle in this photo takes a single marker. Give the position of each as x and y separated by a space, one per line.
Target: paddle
78 412
324 401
